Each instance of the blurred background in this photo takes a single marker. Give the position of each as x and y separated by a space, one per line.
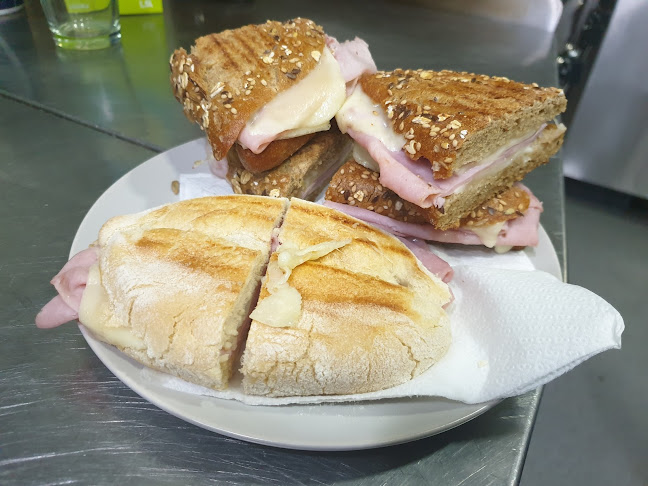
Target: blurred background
591 426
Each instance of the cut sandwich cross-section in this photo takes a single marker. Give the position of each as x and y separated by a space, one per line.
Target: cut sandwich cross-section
260 93
447 141
344 307
510 219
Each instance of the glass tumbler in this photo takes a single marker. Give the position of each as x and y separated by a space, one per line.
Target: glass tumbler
83 24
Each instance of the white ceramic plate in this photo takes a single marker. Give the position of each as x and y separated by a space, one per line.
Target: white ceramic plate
315 427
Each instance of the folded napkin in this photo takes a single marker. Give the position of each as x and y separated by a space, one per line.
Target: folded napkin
513 329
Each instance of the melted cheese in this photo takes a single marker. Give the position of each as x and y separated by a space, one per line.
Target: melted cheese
361 114
290 257
488 234
282 308
306 107
95 314
364 158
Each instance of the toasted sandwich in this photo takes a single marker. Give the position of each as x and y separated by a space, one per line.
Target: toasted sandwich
445 142
264 93
507 221
175 287
371 316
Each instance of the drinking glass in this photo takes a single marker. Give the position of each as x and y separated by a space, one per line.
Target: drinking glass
83 24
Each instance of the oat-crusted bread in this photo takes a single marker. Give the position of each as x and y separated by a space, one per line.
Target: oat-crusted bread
173 286
370 317
358 186
304 174
371 195
230 75
453 119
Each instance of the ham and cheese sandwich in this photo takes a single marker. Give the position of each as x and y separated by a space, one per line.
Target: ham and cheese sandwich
448 142
265 95
344 308
508 220
172 287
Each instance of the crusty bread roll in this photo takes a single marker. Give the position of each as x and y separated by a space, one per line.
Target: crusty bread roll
173 286
371 315
174 289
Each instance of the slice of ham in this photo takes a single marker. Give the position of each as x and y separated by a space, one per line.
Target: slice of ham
433 263
413 180
521 231
69 283
354 59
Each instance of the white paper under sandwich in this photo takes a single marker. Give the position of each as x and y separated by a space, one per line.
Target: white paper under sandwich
513 329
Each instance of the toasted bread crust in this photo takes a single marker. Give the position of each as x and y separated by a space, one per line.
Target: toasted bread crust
182 277
371 317
370 194
230 75
453 119
358 186
273 155
323 153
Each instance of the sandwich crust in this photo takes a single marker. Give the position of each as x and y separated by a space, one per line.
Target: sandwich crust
371 317
453 119
370 194
358 186
180 281
273 155
229 76
302 175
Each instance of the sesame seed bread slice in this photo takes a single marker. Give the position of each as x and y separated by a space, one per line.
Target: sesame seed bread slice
371 315
375 197
173 287
230 75
358 186
304 174
453 119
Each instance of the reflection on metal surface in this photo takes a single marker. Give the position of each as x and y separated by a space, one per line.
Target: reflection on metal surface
608 136
539 14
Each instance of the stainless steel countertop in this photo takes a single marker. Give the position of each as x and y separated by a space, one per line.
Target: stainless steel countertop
71 123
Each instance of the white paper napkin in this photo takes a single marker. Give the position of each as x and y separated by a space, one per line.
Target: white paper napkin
513 329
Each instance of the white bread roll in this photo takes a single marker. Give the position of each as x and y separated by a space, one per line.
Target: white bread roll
173 286
371 315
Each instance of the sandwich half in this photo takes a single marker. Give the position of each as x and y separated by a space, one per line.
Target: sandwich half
448 142
345 308
507 221
262 92
173 287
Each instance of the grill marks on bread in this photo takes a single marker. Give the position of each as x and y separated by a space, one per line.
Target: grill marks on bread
183 279
229 76
371 317
453 118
